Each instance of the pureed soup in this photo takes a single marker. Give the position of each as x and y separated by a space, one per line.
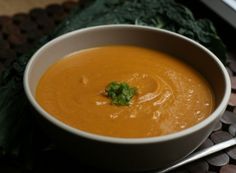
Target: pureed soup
125 91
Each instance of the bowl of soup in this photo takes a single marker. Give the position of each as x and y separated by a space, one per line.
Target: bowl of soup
125 97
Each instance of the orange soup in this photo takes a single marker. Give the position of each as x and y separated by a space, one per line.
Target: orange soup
171 95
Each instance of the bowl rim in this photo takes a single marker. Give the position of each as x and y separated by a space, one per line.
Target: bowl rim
119 140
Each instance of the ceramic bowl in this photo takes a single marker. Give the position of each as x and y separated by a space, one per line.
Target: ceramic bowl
129 154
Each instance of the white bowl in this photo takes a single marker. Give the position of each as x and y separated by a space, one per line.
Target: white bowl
122 154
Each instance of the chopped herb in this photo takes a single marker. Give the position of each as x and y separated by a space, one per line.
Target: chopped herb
120 93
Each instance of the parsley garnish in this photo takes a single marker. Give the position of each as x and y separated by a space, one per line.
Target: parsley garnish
120 93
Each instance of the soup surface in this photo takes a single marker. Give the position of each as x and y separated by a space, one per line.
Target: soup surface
171 95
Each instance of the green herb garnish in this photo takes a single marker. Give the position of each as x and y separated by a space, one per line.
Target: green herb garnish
120 93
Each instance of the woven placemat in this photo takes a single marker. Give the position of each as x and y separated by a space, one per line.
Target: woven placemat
18 34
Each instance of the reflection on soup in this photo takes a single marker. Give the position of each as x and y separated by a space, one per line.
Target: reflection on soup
171 96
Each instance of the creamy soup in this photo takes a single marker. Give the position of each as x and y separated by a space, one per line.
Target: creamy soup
171 95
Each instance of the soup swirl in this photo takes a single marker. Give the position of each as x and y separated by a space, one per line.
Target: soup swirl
171 95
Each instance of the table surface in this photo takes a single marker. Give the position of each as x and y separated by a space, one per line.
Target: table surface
11 7
20 31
